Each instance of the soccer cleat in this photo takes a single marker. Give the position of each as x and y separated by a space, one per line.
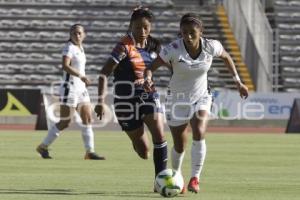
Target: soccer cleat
43 151
93 156
194 185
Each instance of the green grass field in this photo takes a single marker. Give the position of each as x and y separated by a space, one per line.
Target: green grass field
238 167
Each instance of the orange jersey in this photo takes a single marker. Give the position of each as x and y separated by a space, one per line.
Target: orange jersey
132 61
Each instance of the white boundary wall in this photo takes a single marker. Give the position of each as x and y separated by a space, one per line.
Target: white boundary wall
255 37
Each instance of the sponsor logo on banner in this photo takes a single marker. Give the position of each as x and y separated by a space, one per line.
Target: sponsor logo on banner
14 107
23 102
229 105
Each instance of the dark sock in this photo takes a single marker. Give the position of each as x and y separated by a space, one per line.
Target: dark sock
160 156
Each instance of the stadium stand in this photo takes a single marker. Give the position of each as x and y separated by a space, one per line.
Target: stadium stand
33 32
287 22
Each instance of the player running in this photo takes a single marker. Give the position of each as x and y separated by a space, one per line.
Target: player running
135 107
189 99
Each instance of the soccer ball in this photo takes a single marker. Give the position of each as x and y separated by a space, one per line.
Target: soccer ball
169 183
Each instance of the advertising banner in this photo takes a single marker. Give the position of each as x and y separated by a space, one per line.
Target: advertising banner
23 102
229 105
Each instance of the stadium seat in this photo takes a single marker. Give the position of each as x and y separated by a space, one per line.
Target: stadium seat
5 56
35 46
6 23
67 23
4 46
61 12
290 71
22 24
70 1
56 56
47 69
57 1
98 24
292 90
54 24
4 12
20 56
4 78
76 12
5 70
29 35
13 67
41 1
37 56
28 68
123 13
61 35
45 35
31 11
108 13
289 37
46 12
289 26
16 12
34 78
53 46
51 78
37 23
294 59
21 78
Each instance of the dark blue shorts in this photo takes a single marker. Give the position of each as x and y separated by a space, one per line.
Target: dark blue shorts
130 112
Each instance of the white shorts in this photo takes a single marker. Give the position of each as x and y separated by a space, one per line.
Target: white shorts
179 113
72 97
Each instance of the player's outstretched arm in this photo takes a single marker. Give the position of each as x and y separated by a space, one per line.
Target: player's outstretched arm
108 68
243 89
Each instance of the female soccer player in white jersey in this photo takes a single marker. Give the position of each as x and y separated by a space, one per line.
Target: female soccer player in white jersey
189 99
73 96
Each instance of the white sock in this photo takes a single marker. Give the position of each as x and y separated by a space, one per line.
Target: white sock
177 159
198 153
53 133
88 138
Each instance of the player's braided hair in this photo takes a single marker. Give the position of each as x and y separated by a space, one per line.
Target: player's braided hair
153 44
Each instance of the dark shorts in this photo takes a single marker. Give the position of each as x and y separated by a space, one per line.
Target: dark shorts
130 112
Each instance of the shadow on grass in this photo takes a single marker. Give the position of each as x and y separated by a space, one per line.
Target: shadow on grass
120 194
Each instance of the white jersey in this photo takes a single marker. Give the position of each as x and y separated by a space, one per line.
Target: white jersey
189 79
78 60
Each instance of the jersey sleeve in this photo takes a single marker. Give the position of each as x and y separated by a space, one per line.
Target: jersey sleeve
119 52
217 48
166 53
67 51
